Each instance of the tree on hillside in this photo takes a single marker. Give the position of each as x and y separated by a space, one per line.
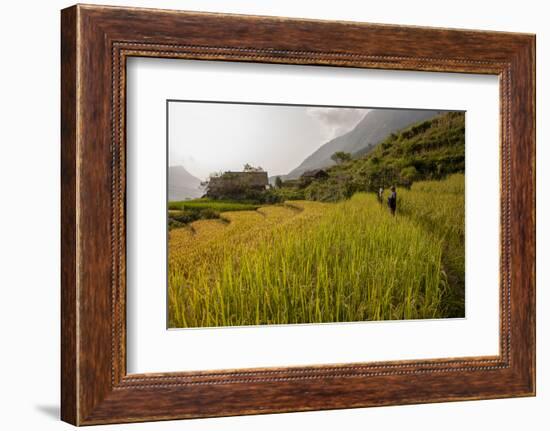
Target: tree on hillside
204 184
409 174
249 168
341 157
278 182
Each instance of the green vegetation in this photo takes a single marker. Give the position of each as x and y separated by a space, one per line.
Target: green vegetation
341 157
349 261
428 150
181 213
213 204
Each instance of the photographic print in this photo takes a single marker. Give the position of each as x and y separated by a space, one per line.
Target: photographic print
294 214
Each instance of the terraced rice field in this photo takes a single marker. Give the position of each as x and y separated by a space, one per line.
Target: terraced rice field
313 262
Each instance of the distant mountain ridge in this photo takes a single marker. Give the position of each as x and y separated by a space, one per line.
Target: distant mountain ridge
376 126
182 185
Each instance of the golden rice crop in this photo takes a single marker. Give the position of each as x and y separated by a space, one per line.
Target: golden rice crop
312 262
439 207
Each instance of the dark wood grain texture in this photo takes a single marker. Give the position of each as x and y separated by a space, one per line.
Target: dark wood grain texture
69 367
96 41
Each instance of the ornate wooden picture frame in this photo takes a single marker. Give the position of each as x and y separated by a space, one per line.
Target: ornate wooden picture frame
96 41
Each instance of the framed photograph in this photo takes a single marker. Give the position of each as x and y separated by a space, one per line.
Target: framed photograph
322 241
264 214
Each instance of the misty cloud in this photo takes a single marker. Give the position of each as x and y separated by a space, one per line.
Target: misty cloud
335 122
178 157
211 137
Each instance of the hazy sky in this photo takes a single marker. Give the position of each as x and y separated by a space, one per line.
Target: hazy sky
211 137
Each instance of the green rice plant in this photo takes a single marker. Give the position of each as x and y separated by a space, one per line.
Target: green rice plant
215 205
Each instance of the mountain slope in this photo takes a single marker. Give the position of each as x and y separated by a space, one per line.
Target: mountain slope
370 131
426 150
182 185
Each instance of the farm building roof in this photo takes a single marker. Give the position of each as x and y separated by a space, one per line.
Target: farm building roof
250 179
315 173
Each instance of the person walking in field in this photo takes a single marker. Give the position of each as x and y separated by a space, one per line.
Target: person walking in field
392 200
381 194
